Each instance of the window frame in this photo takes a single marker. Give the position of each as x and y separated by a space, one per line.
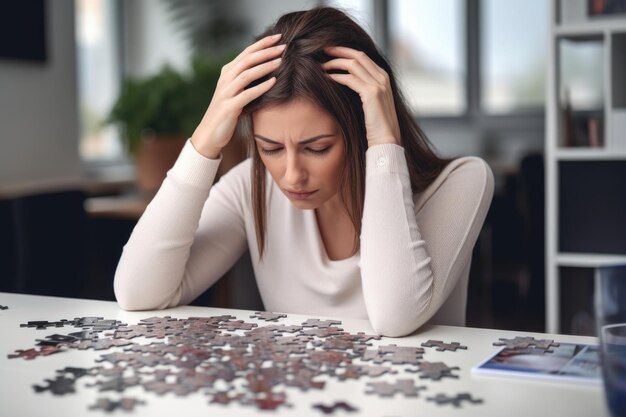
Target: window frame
474 116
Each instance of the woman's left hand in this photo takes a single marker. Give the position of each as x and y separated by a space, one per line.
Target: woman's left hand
372 84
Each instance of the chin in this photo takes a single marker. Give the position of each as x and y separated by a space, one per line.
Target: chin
304 205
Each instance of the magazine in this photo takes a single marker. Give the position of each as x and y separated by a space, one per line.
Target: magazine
568 362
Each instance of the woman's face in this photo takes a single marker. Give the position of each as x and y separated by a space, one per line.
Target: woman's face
302 147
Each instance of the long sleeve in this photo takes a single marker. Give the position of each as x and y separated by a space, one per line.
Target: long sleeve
412 259
190 234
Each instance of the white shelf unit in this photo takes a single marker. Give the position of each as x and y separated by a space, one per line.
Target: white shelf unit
572 27
591 260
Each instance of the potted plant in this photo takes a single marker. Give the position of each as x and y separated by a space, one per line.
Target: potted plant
157 114
149 112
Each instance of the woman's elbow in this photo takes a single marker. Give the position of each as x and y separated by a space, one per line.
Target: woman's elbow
392 325
125 300
130 295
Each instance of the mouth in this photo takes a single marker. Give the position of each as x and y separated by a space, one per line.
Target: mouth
299 195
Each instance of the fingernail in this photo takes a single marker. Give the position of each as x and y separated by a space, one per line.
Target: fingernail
281 46
278 35
277 60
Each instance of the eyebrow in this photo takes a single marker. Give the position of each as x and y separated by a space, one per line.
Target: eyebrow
303 142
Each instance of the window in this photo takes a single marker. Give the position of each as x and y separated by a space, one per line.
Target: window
427 49
514 39
457 58
99 70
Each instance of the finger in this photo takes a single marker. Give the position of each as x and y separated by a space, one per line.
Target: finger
251 74
261 44
257 46
343 51
349 80
251 93
254 59
352 66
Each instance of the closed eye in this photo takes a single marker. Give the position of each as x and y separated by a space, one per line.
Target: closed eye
316 151
271 151
319 151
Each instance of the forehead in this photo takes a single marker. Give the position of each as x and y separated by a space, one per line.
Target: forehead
297 117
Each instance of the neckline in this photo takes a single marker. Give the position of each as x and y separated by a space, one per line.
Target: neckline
322 248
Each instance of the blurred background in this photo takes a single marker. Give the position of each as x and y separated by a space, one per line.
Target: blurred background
98 96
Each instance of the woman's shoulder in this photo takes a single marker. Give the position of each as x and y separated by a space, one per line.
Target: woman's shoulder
469 164
469 169
469 175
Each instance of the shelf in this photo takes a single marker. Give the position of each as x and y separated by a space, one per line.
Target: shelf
585 157
589 260
589 154
595 27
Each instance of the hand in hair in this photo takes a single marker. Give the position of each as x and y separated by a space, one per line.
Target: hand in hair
218 124
372 84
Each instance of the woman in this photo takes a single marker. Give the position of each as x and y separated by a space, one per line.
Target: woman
346 210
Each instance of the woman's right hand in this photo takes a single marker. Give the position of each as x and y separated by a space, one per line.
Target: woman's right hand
219 121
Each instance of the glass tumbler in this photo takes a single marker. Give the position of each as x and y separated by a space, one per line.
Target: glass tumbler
610 306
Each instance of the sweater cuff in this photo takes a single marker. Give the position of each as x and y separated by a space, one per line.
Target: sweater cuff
193 168
386 158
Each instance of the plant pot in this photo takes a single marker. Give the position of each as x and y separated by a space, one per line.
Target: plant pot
155 155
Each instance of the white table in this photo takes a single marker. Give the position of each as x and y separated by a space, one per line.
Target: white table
502 396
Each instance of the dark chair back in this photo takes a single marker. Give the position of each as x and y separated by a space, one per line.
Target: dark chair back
8 264
49 233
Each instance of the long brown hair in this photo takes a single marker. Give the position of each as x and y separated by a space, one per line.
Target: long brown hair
300 75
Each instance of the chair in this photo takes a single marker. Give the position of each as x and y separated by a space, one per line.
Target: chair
8 267
48 231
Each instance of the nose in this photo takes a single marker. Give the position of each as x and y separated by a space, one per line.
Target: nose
295 171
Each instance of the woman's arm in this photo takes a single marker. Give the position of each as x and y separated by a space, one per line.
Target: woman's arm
190 234
182 244
410 262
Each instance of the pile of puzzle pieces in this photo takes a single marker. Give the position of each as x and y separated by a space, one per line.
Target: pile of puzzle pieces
256 362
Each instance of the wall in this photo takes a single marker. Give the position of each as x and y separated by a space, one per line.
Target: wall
38 108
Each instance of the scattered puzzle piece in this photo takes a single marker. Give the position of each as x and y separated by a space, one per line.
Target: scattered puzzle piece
108 405
320 324
32 353
224 398
101 344
441 346
434 370
117 383
394 354
56 339
75 372
325 332
386 389
442 399
237 325
526 342
267 316
268 401
375 371
58 386
338 405
44 324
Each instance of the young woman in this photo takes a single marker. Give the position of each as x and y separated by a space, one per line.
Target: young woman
346 210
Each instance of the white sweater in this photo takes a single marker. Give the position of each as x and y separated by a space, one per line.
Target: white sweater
413 264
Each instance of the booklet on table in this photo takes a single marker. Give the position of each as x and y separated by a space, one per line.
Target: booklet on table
567 362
